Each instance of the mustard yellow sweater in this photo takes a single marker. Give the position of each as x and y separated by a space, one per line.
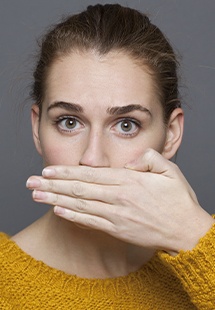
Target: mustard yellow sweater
186 281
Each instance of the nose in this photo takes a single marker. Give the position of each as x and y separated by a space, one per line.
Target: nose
95 152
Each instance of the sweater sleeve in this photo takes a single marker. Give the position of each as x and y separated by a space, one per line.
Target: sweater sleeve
196 270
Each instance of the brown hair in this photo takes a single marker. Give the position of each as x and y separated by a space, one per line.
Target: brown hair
104 28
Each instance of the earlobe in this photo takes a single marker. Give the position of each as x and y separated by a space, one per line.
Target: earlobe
35 122
174 133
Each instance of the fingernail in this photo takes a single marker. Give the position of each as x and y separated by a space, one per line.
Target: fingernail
131 164
33 183
38 195
48 172
59 210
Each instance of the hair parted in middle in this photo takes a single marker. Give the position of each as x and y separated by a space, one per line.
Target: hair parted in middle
106 28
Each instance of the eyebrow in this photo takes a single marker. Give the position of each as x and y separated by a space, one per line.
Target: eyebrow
127 109
74 107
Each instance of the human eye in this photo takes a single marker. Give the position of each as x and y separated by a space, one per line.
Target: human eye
127 127
68 124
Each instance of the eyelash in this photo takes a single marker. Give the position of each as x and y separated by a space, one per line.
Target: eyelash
60 119
134 122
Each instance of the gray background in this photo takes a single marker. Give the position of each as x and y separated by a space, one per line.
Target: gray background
189 24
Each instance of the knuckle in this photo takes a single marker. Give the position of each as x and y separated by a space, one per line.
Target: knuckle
81 205
77 189
71 216
89 174
149 154
55 199
91 222
66 173
50 186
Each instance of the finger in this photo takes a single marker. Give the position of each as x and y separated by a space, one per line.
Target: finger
76 189
107 176
98 223
78 205
152 161
90 221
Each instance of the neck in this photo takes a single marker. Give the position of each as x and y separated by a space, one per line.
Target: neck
86 253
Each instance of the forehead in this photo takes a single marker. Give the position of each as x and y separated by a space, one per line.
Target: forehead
112 79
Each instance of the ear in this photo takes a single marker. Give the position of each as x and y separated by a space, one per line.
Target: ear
35 122
174 133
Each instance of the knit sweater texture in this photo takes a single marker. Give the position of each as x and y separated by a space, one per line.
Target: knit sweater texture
186 281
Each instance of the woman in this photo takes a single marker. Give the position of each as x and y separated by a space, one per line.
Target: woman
126 230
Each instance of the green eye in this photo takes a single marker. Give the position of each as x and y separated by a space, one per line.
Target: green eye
126 125
70 123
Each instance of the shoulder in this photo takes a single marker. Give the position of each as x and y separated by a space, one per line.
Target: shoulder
10 257
5 246
9 253
3 237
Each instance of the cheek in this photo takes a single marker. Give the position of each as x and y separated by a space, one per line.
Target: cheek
56 153
129 150
159 143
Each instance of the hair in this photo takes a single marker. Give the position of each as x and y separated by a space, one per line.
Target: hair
111 27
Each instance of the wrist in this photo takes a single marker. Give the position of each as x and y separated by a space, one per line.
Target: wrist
195 229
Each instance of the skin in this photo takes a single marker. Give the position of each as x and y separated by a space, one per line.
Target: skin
129 212
97 139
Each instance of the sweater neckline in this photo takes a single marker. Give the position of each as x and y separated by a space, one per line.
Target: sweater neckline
11 250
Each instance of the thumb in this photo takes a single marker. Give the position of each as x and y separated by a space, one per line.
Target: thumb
151 161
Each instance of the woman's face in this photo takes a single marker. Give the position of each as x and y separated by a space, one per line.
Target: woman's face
99 111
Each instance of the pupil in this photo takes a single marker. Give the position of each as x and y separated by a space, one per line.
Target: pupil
70 123
126 126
